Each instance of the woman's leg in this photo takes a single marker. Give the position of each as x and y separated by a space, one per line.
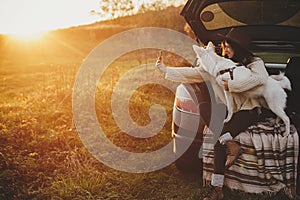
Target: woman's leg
239 122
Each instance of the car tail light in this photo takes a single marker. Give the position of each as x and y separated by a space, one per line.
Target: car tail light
186 104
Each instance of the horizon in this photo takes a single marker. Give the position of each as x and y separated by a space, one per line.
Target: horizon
31 18
34 16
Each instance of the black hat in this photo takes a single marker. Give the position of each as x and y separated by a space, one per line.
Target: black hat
238 36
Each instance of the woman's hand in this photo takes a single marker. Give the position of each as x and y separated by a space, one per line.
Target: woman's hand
224 83
159 63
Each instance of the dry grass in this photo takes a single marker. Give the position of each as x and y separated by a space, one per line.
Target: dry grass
42 157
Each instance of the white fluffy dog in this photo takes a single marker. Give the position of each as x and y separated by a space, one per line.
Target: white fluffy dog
273 91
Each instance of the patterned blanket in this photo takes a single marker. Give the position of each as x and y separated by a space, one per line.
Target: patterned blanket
268 163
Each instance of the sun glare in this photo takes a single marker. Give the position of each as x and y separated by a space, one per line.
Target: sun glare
27 35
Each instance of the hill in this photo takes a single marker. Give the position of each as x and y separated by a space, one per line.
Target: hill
76 42
168 18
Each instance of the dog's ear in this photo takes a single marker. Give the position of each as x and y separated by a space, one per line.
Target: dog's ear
210 45
198 50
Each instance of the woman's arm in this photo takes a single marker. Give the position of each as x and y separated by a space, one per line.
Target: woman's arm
181 74
184 74
259 76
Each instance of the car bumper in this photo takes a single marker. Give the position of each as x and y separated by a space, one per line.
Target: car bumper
187 129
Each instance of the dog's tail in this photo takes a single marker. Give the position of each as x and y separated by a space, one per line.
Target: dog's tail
283 81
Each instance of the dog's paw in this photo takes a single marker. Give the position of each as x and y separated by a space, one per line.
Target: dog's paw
286 133
226 120
160 65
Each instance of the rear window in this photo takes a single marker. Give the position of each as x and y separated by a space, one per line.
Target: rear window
271 57
240 13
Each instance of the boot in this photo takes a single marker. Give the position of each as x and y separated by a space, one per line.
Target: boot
233 151
215 193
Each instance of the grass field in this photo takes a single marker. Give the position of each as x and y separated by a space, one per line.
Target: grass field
42 156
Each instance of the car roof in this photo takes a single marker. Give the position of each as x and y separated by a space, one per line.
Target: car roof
271 25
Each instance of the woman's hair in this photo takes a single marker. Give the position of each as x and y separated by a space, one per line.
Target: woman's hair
241 55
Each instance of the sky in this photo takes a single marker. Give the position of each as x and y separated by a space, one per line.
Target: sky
42 15
33 16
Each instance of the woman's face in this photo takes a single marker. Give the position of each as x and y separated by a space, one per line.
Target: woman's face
227 50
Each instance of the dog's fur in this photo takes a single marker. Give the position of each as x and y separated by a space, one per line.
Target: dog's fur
273 91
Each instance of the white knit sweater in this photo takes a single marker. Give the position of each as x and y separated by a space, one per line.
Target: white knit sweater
258 77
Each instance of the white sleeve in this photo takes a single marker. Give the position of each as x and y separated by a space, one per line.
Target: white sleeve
184 74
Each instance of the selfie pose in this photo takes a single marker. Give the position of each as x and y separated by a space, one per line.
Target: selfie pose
247 109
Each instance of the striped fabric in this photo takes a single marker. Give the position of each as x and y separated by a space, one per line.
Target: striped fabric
268 163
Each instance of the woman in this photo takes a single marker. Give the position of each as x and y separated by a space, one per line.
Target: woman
226 150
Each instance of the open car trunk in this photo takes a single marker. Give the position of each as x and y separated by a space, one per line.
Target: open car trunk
271 25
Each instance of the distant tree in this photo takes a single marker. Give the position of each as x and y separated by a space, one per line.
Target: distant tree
115 8
111 9
154 5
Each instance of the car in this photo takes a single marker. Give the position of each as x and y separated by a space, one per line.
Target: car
274 29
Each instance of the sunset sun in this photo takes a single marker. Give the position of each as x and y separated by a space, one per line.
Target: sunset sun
27 35
27 19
